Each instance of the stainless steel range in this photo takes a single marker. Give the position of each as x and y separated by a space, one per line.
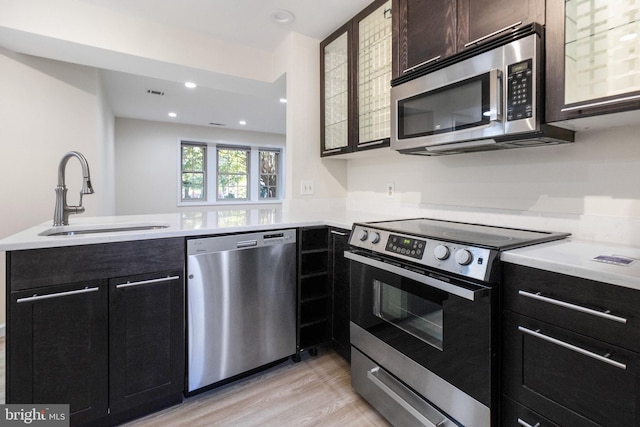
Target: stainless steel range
424 318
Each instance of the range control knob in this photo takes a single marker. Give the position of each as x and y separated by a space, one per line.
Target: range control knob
463 257
375 237
441 252
363 235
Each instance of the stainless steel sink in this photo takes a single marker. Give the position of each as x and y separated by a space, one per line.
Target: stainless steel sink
72 230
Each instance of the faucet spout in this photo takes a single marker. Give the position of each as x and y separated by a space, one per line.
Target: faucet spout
62 209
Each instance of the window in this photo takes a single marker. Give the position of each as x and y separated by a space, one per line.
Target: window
223 173
193 159
233 173
269 168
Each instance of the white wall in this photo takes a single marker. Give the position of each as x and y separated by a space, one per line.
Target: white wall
146 156
48 108
589 188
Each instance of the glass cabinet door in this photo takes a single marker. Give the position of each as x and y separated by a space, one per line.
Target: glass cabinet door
374 76
602 49
335 124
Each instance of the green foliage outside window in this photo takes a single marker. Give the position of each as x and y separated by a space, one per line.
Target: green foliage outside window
269 174
193 172
233 173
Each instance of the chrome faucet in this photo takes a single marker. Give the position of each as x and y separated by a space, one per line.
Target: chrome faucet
62 210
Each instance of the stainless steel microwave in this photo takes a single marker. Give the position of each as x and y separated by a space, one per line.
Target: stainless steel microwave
490 100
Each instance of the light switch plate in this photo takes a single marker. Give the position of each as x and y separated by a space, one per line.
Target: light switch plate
306 187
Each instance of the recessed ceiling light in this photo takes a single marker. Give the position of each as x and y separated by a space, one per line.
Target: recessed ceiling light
282 17
190 85
173 115
242 122
283 100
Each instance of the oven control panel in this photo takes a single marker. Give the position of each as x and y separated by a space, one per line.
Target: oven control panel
469 261
408 246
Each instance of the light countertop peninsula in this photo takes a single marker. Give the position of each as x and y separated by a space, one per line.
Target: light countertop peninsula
186 224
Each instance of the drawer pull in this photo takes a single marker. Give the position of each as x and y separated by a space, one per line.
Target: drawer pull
146 282
57 295
339 233
523 423
572 347
603 314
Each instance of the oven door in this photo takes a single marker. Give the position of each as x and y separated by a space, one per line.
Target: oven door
442 323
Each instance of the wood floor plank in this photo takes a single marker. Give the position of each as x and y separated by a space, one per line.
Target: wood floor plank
314 392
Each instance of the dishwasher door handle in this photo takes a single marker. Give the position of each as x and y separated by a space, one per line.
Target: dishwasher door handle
247 244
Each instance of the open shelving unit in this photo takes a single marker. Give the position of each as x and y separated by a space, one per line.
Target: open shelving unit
314 294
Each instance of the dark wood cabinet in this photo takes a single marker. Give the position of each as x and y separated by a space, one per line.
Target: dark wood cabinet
427 31
57 348
146 340
314 294
340 291
111 343
569 349
424 31
479 20
583 76
355 83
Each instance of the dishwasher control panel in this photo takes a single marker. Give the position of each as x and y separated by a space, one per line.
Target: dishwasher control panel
203 245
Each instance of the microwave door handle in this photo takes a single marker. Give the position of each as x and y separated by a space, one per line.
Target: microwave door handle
495 95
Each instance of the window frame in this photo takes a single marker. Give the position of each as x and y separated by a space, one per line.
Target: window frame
247 174
203 172
211 173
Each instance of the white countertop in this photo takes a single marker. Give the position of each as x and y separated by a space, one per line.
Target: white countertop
574 257
570 256
193 223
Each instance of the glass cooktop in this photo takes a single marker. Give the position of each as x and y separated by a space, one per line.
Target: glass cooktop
487 236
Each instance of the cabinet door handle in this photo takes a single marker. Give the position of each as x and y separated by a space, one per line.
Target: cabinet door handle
495 33
572 347
523 423
339 233
333 150
600 103
146 282
56 295
603 314
435 58
369 144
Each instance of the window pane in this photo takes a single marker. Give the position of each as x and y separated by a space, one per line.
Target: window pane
233 167
269 174
193 172
193 186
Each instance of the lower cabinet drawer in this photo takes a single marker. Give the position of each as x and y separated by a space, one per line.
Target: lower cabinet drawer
514 414
571 379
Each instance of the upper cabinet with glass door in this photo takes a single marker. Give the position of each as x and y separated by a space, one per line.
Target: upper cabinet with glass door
596 69
355 83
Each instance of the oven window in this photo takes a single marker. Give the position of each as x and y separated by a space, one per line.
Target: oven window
458 106
414 315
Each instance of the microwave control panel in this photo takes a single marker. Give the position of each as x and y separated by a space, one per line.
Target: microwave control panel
519 90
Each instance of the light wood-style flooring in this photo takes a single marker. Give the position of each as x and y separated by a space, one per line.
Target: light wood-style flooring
314 392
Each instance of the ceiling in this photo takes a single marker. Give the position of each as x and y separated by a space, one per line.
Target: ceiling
247 22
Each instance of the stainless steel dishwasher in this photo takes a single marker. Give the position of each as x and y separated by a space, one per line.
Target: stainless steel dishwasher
241 293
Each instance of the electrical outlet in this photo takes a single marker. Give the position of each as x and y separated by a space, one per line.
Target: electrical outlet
306 188
391 189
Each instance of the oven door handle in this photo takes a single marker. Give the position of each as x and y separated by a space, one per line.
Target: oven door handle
469 294
393 388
